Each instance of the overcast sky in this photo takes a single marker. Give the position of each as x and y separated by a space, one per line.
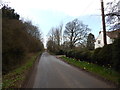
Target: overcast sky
50 13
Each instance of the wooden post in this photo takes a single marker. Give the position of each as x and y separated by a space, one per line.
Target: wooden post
103 22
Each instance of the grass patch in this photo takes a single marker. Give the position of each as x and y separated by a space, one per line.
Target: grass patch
104 72
15 78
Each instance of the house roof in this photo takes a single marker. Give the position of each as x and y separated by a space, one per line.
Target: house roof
113 34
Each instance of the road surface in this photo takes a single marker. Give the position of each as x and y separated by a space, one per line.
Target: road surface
54 73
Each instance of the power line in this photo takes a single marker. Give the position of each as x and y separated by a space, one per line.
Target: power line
89 5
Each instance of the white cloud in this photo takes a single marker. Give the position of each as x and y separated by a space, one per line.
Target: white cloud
69 7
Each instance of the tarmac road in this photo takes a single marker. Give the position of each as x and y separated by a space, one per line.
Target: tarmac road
54 73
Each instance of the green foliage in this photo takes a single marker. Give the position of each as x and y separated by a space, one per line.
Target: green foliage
60 52
108 56
116 54
105 56
15 78
95 54
82 54
104 72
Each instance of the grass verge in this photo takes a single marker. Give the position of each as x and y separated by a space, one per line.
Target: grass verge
107 73
15 78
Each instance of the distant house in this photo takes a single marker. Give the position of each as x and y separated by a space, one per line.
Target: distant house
111 35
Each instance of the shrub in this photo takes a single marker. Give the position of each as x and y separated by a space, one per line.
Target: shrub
83 55
105 55
78 55
95 56
60 52
116 55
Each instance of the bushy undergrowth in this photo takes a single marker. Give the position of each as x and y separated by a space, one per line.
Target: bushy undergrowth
16 77
18 39
107 56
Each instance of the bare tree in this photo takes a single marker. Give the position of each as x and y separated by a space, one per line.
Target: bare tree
113 15
33 30
58 34
55 38
75 32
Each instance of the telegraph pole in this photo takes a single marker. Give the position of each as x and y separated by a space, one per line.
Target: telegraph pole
103 22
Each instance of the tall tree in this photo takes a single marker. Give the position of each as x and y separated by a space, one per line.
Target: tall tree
18 40
90 41
54 39
58 34
76 32
113 14
8 12
33 30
